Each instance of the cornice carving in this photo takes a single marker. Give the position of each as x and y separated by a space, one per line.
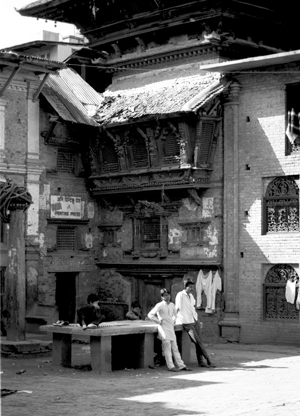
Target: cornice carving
159 58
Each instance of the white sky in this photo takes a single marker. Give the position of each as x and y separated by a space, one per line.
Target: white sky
16 29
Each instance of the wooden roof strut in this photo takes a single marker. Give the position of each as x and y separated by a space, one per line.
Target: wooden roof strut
37 93
10 78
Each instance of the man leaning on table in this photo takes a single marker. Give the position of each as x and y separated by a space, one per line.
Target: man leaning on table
164 314
188 317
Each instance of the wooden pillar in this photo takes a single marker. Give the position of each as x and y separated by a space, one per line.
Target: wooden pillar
231 203
15 278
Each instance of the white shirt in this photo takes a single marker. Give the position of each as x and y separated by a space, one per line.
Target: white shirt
164 314
185 307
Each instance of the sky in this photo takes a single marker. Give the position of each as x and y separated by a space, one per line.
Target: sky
16 29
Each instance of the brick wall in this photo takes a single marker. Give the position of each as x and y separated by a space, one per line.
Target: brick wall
262 148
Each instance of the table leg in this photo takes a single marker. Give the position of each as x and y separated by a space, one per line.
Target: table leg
101 353
146 353
62 349
185 347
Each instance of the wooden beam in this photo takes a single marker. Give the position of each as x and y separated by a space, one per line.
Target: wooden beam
37 93
5 86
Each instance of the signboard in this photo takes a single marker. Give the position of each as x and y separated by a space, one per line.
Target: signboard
67 207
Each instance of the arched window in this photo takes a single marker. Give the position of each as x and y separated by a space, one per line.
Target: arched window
282 206
275 305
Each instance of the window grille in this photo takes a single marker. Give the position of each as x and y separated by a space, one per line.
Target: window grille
109 158
139 154
207 134
66 161
65 238
151 233
275 305
171 150
282 205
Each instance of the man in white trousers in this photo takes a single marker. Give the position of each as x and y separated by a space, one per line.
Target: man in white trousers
164 314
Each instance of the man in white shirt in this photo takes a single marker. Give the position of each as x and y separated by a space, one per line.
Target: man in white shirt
188 317
164 314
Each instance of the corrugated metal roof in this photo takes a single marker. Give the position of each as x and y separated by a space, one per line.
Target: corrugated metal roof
71 97
158 98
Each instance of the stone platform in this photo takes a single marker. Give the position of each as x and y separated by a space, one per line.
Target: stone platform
31 347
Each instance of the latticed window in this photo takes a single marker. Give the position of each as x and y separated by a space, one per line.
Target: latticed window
110 161
151 233
171 150
282 206
66 161
140 154
275 304
65 238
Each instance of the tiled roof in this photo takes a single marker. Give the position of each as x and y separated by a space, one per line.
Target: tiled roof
165 97
35 4
71 97
17 58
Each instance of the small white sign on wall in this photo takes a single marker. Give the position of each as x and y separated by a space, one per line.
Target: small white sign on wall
65 207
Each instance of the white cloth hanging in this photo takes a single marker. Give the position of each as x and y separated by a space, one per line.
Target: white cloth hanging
216 285
209 285
290 291
203 283
199 288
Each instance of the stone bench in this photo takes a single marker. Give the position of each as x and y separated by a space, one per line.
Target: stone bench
106 342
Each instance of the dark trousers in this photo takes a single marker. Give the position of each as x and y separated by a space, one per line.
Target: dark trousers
194 332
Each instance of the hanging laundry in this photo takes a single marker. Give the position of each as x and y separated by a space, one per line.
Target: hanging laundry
216 285
209 285
203 283
290 291
293 126
199 289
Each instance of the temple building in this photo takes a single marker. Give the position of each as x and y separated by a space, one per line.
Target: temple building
186 169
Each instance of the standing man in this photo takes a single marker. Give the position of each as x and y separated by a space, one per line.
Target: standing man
188 317
164 314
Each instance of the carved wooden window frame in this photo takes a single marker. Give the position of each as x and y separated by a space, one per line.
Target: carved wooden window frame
193 228
275 306
281 206
110 237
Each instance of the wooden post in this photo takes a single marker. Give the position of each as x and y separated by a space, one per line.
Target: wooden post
15 278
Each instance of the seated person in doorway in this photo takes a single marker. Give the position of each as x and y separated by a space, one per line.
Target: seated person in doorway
135 313
90 316
164 314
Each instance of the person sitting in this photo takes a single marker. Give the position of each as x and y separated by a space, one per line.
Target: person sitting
90 316
135 313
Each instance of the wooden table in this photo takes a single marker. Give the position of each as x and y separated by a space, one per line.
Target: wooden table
107 342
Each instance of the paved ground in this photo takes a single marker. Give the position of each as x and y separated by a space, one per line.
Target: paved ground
249 380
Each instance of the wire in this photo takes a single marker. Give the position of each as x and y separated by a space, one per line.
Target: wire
11 191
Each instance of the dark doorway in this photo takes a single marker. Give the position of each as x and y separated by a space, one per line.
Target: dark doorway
151 294
66 296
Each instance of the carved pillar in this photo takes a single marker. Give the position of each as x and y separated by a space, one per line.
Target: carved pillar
231 203
16 200
3 104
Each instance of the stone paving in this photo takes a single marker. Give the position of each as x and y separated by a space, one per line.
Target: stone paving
249 380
